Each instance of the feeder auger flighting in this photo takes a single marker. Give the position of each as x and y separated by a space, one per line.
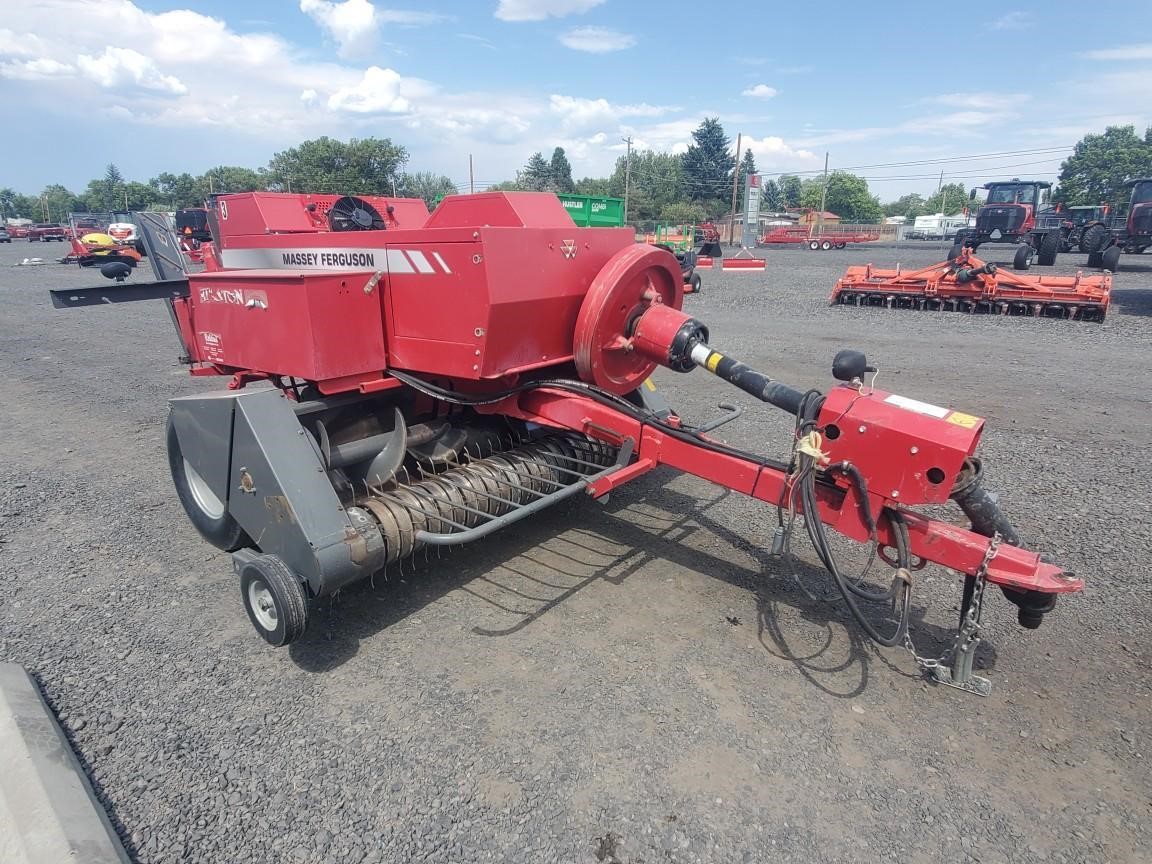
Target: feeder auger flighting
435 378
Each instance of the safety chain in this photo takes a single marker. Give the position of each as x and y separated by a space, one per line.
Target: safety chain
970 627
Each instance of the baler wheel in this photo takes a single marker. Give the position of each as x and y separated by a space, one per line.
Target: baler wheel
207 513
274 599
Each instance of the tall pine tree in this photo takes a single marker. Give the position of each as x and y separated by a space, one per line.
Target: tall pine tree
561 171
708 165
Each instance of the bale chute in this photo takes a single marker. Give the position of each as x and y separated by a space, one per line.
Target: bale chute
967 284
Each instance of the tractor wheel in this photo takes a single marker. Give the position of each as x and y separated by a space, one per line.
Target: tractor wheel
959 238
694 283
1023 258
1095 259
813 245
825 245
274 599
1094 239
207 513
1110 259
955 251
1049 247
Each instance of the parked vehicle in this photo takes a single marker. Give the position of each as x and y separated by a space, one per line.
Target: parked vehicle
1016 212
936 227
5 237
827 238
45 231
1129 231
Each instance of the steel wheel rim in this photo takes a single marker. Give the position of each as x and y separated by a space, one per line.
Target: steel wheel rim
263 605
205 498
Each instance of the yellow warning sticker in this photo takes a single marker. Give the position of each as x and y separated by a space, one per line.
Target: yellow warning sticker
965 420
648 383
713 360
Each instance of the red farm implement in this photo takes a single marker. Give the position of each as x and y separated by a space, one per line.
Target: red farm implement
436 378
967 284
823 240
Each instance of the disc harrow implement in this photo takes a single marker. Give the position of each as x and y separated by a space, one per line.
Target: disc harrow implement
967 284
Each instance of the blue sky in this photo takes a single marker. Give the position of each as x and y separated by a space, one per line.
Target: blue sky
183 86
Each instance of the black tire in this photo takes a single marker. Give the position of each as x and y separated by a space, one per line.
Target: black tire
1095 239
1095 259
694 282
207 513
825 245
1110 258
841 245
274 599
955 251
959 238
1049 247
1022 260
814 245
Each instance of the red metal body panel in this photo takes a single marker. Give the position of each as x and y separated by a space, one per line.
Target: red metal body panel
315 326
743 264
910 451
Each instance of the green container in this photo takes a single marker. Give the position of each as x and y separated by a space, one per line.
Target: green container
591 211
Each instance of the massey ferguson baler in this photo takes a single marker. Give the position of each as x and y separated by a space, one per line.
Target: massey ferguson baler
426 380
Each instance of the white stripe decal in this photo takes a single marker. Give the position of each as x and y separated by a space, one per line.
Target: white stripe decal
397 261
421 262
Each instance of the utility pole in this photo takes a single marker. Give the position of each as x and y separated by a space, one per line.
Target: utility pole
823 197
44 202
627 174
735 179
471 177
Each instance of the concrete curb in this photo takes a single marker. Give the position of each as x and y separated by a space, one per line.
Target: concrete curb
48 811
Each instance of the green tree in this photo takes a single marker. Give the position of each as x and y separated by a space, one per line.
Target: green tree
683 213
229 178
366 166
506 186
911 206
594 186
657 180
56 202
107 192
708 165
848 197
952 198
790 188
138 195
537 175
1099 165
424 184
178 190
771 198
13 205
561 171
747 166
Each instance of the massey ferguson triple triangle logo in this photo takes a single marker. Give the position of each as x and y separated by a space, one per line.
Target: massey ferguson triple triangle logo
568 248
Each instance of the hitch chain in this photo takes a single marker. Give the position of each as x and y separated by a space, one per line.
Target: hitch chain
969 629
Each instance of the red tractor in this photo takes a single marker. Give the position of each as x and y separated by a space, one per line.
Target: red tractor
1126 232
1015 212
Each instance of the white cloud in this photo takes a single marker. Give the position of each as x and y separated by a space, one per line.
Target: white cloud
14 44
1141 51
981 101
1013 21
775 154
309 96
578 114
760 91
354 25
378 92
125 67
596 40
539 10
36 70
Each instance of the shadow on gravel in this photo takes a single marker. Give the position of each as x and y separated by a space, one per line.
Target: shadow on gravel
554 556
1133 301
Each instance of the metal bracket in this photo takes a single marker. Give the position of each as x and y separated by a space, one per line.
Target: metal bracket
733 411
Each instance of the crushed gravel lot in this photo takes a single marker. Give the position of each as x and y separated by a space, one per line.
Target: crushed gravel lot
635 682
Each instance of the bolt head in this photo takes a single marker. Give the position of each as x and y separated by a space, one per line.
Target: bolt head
862 429
915 450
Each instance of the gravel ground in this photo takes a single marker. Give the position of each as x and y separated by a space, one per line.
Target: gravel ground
639 682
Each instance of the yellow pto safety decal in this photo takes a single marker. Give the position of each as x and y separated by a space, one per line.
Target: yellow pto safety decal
713 360
965 420
648 383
